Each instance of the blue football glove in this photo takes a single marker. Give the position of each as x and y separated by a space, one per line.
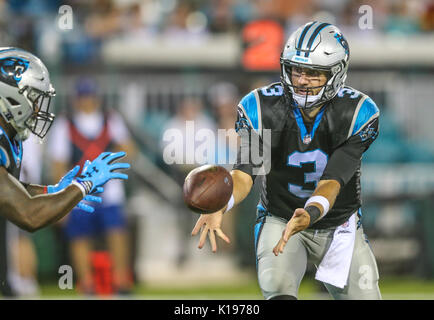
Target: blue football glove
66 180
96 173
90 198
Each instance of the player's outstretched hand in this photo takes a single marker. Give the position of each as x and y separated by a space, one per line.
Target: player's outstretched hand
90 198
299 221
211 225
102 169
66 180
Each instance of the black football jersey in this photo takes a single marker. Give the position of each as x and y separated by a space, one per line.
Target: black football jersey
302 153
11 154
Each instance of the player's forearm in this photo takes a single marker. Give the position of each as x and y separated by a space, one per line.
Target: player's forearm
39 211
328 189
34 189
242 184
52 207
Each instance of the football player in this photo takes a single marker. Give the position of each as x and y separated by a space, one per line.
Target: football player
310 203
25 96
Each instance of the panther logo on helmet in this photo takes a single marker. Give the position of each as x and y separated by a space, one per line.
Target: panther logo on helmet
25 93
12 69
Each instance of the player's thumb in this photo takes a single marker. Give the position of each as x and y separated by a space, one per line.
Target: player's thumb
85 165
298 212
75 170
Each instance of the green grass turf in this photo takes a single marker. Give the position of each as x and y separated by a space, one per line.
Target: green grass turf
392 288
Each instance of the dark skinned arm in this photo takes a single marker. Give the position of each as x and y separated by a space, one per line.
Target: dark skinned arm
34 189
32 213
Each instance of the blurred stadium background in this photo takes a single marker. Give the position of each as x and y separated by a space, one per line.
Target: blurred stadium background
152 56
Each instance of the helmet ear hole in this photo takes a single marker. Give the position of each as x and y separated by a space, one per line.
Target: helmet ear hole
12 101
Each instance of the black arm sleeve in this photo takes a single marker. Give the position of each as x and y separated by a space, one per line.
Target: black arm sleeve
251 144
346 159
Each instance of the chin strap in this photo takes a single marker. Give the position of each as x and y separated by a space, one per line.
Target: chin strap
22 134
304 100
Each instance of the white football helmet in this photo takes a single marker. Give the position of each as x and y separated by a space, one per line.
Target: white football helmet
25 93
318 46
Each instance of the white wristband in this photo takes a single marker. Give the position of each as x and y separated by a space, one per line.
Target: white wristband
322 201
230 204
80 186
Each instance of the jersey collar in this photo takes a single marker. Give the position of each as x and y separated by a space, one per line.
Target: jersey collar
307 137
16 148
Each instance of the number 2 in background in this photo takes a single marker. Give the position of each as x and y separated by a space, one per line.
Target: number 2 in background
263 40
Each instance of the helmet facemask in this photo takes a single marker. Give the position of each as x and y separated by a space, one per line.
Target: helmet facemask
41 119
308 100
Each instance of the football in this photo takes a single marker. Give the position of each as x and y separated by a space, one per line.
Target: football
207 189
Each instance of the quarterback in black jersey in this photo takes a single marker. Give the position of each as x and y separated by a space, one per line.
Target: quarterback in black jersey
25 96
312 131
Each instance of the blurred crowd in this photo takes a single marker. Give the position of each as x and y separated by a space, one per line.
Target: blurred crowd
32 24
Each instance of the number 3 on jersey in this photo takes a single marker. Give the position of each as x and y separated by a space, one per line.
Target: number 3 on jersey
312 165
273 91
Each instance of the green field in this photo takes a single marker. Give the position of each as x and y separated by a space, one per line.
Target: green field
391 288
